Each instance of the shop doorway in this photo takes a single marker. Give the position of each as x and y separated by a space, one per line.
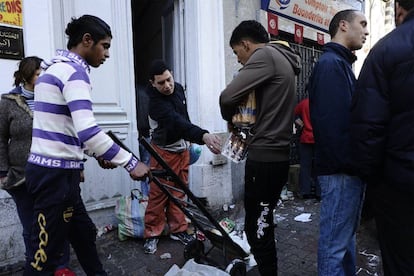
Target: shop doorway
152 22
152 29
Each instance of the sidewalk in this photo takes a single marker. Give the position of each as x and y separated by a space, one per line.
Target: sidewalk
296 245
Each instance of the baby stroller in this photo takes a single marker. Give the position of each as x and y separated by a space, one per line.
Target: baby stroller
216 238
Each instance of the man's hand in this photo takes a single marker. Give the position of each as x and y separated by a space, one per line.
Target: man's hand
105 163
213 142
299 122
82 176
140 172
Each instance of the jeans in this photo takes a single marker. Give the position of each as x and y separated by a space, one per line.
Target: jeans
341 205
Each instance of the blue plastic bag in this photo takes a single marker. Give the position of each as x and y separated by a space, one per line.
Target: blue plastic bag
130 211
195 152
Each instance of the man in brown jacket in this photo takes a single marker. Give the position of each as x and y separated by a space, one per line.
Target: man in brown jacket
269 70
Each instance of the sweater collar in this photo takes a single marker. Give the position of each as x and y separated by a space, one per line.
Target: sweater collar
27 93
66 56
340 50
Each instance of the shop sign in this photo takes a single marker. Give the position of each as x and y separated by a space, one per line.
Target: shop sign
11 43
313 13
11 12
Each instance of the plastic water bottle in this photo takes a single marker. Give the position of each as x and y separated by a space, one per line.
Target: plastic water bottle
195 152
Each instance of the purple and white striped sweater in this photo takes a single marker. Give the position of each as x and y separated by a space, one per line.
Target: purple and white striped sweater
63 122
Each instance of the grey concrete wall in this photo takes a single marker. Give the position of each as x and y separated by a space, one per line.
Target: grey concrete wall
12 246
235 12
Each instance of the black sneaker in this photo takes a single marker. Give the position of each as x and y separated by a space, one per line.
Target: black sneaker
183 237
150 245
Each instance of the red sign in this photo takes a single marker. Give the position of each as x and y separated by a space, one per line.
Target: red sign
320 38
272 24
298 34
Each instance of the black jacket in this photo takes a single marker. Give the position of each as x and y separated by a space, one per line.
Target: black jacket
330 92
171 117
382 122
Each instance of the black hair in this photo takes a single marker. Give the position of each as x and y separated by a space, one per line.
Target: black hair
406 4
157 67
251 30
347 15
93 25
27 68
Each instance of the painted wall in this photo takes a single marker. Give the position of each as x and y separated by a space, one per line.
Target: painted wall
204 67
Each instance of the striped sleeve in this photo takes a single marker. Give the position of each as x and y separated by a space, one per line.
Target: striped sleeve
64 122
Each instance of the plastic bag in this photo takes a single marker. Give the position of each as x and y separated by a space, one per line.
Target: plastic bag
195 152
191 268
235 147
130 211
246 115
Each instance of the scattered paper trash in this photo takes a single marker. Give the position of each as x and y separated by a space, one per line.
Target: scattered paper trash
283 193
304 217
241 240
216 232
278 218
300 209
165 256
191 268
227 224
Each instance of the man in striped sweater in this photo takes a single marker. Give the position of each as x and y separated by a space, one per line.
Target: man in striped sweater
63 129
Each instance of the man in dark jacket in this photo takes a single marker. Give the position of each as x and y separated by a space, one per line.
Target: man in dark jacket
142 101
171 129
269 70
382 137
330 90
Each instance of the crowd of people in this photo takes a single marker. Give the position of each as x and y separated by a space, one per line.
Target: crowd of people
356 134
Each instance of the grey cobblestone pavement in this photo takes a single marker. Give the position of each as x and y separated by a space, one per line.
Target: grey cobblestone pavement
296 245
